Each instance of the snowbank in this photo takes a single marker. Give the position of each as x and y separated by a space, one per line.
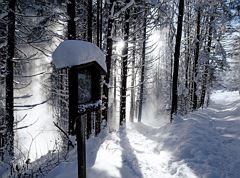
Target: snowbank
226 98
75 52
203 144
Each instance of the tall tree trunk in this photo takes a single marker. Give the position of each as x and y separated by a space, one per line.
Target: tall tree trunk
176 59
132 102
124 68
71 20
195 66
109 41
188 59
72 76
170 37
206 66
89 22
187 46
109 55
9 137
98 22
143 66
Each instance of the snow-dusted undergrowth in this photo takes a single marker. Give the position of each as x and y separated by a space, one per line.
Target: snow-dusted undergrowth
204 144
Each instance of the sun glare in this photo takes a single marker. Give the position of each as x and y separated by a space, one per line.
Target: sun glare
119 46
156 42
154 37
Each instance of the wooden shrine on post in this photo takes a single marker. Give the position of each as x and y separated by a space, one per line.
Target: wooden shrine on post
85 96
84 65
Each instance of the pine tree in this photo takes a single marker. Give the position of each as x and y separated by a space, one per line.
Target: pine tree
176 59
109 49
206 65
143 65
124 68
89 21
3 42
196 59
9 137
71 5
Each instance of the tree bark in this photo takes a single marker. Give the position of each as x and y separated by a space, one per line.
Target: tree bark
98 22
176 60
206 67
89 22
195 66
124 68
132 102
9 137
188 60
73 103
188 46
108 57
71 20
142 67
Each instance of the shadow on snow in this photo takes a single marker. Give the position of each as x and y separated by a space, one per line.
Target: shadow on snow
207 140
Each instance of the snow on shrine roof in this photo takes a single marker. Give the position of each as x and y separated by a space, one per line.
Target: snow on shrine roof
75 52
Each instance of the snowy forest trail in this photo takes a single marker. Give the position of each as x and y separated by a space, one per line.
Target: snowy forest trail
203 144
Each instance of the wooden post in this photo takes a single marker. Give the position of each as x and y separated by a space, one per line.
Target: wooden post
89 124
81 146
98 122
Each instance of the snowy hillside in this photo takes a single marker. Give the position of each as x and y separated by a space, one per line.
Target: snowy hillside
204 144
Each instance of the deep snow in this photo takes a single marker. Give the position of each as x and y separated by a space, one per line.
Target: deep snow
203 144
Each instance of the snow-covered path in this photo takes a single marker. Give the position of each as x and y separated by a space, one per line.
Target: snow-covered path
204 144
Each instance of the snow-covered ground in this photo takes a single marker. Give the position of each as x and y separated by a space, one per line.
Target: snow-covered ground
203 144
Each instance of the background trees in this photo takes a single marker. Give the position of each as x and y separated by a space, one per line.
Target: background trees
144 70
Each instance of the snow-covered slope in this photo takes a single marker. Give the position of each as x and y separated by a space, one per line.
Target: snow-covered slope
204 144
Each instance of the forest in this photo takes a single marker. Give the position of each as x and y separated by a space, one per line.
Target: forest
120 88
